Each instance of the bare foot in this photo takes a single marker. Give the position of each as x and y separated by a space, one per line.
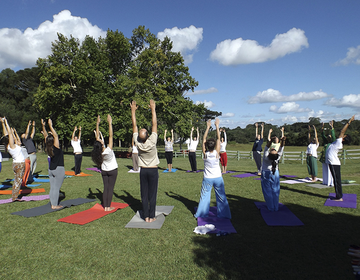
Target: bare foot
336 199
152 220
57 207
147 219
109 209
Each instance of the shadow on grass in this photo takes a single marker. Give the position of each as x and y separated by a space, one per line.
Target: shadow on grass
302 191
316 250
134 203
190 204
97 195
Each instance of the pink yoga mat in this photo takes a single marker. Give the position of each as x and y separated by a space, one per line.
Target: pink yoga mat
27 198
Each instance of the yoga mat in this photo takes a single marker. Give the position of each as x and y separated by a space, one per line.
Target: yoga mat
45 209
92 214
173 170
160 212
349 201
94 169
318 186
221 224
245 175
72 173
27 198
282 217
197 171
41 180
299 181
23 191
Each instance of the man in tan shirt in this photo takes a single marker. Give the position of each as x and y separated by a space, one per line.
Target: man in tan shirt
148 161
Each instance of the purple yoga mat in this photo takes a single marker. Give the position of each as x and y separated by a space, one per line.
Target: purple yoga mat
349 201
197 171
221 224
94 169
27 198
282 217
245 175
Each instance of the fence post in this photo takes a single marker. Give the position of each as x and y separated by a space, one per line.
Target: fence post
302 157
283 157
344 156
238 155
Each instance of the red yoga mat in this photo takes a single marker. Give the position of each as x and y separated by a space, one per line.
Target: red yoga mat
92 214
24 191
72 173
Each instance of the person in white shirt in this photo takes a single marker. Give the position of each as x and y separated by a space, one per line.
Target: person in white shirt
275 140
192 149
270 178
148 161
76 144
169 149
334 162
105 158
311 154
12 145
134 156
223 155
212 177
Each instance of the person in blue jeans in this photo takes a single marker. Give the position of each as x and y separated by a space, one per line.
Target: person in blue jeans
212 177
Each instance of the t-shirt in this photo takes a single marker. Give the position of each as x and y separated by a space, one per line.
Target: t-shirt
211 165
169 146
312 149
134 150
148 155
193 145
267 163
223 144
76 146
331 156
275 146
29 145
109 160
16 154
57 159
257 145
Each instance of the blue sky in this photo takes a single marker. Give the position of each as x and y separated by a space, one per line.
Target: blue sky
256 61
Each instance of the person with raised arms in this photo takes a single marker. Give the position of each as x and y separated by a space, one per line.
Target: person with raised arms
192 149
28 142
169 149
311 154
148 161
76 144
257 147
327 140
223 154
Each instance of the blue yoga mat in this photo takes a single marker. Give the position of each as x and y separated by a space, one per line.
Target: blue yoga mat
173 170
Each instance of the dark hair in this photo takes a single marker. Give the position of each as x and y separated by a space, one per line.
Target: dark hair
273 158
96 154
5 140
49 144
210 144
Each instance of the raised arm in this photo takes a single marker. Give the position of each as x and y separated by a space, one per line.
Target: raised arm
16 137
225 138
153 114
208 124
79 136
333 137
10 134
269 136
172 136
43 131
262 130
256 130
197 134
342 132
165 135
218 135
282 132
316 137
73 134
282 141
309 134
27 130
33 130
53 132
133 115
111 141
97 128
191 134
3 126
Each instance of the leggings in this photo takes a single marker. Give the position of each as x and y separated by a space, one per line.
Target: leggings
223 159
149 178
192 159
109 179
32 163
19 169
26 173
169 157
56 179
78 160
135 160
257 158
336 174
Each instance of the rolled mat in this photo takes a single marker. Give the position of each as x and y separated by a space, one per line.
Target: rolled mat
282 217
27 198
24 191
349 201
72 173
45 209
94 169
221 224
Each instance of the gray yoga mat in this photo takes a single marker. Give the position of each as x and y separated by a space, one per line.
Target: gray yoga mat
45 209
160 213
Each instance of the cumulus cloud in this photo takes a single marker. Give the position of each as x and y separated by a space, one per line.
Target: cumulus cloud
240 51
22 48
351 100
202 91
185 40
288 107
228 115
207 104
352 57
271 96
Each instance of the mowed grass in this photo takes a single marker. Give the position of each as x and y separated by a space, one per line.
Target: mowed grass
42 248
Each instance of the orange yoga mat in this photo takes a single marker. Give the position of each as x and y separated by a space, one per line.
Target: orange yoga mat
94 213
72 173
24 191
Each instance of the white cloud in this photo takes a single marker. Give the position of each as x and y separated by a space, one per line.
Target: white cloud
240 51
352 56
288 107
228 115
207 104
202 91
22 49
185 40
351 100
272 96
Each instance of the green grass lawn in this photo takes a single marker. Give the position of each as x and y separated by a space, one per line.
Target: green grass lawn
42 248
